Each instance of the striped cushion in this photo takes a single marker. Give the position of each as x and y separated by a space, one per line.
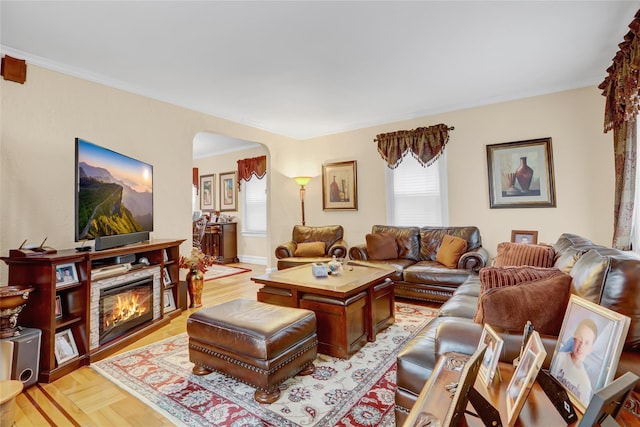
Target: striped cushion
500 277
516 254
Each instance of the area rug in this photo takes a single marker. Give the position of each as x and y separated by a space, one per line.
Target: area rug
218 271
354 392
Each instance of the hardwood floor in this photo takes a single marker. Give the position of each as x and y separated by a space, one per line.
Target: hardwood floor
85 398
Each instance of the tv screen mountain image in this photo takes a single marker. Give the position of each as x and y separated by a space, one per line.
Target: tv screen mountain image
114 193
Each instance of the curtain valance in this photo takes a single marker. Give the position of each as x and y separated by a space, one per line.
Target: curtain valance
425 144
253 166
620 87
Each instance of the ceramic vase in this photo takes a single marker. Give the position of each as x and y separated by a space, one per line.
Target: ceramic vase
195 284
524 174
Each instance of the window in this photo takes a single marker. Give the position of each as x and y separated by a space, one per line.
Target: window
254 202
416 195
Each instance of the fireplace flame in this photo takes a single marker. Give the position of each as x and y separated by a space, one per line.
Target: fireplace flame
125 308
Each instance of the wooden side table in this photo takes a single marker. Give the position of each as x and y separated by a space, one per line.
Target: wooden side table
435 399
221 242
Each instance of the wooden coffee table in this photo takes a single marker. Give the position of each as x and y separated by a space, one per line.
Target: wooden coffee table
351 308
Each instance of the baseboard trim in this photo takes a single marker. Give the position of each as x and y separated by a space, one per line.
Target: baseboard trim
250 259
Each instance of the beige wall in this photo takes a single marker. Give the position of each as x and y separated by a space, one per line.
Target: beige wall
41 118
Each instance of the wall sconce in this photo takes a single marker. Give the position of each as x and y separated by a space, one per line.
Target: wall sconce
302 181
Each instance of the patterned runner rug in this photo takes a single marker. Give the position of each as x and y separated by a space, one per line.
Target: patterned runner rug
218 271
354 392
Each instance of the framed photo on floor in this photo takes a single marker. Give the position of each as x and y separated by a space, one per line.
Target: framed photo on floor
588 349
66 274
339 186
65 346
207 192
521 174
228 191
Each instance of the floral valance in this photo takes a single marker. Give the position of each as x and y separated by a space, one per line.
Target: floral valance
620 87
254 166
425 144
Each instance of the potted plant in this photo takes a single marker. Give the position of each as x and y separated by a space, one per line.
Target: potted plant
197 263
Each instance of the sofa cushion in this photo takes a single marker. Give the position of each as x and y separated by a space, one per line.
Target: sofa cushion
310 249
407 239
515 254
542 301
431 239
450 250
382 246
499 277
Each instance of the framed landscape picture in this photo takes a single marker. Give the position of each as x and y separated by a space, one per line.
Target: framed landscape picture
339 186
521 174
588 349
228 191
207 192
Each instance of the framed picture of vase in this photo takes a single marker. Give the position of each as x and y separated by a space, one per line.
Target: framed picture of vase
339 186
521 174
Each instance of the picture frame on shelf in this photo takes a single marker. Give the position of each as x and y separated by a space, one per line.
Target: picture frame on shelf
58 310
65 346
228 191
169 301
524 376
340 186
460 397
66 274
521 174
524 236
594 336
207 192
165 255
489 367
166 277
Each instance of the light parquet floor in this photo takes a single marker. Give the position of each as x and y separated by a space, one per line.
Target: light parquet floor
85 398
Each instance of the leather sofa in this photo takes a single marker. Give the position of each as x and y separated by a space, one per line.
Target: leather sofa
330 235
600 274
417 273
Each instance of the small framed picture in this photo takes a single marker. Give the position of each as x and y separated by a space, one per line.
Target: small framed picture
207 192
66 274
524 376
65 346
169 302
524 236
467 378
588 349
339 186
58 307
607 402
491 358
165 255
228 191
166 277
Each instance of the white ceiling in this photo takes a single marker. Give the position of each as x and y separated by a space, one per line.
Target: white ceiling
305 69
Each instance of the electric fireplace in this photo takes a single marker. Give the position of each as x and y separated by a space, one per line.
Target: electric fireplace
123 307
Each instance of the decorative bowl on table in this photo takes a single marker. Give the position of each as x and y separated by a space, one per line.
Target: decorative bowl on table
12 301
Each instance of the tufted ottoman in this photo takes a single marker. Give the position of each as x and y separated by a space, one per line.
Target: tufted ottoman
259 344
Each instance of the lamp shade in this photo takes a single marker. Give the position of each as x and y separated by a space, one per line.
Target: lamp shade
302 180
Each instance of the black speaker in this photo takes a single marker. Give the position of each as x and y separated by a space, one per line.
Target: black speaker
108 242
23 354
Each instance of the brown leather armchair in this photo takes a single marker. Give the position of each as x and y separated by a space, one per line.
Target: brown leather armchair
330 235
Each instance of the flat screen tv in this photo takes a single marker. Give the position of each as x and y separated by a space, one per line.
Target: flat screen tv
114 197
